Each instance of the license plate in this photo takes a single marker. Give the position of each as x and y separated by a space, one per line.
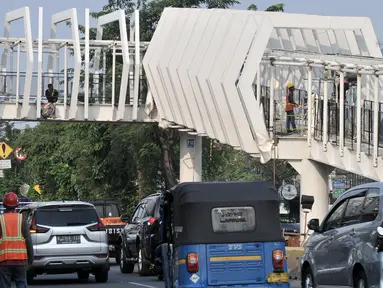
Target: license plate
277 277
113 230
68 239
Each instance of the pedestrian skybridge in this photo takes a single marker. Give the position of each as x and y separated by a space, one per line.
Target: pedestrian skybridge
216 73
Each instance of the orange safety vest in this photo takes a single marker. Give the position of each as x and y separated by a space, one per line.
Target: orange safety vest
12 241
289 106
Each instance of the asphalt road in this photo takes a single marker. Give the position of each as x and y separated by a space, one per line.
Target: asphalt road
116 280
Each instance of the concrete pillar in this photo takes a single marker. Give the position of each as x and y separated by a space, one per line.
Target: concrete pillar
314 182
190 158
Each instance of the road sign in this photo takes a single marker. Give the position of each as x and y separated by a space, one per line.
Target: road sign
24 189
339 184
1 173
190 143
19 154
289 192
337 192
5 164
37 188
5 150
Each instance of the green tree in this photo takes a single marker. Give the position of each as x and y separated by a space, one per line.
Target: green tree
274 8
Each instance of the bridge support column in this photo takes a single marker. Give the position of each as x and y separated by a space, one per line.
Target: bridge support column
190 158
314 182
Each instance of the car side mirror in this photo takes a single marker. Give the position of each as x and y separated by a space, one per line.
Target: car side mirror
313 225
125 219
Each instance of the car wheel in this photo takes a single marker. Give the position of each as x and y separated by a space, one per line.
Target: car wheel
125 267
83 275
143 269
308 279
101 275
118 256
361 280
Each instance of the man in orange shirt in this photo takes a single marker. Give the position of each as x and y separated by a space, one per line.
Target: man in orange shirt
16 248
290 104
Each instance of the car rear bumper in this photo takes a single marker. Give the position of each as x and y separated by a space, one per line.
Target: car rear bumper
75 262
264 285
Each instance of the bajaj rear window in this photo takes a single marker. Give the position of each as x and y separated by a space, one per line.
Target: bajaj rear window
233 219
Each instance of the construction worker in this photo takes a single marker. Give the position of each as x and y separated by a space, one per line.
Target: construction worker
290 104
16 249
51 94
49 109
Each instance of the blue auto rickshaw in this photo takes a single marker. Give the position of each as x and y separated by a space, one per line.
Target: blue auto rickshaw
223 234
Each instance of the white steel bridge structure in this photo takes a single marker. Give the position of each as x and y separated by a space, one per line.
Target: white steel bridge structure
215 73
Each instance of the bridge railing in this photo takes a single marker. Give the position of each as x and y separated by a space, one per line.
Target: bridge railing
100 88
350 125
280 117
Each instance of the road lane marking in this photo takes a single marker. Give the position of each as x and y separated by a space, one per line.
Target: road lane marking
143 285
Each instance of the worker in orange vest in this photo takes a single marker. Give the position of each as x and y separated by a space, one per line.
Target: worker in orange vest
290 104
16 248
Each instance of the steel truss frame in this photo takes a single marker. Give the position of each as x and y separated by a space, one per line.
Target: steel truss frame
52 47
196 55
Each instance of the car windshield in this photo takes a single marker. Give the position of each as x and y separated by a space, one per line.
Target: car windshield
111 210
60 216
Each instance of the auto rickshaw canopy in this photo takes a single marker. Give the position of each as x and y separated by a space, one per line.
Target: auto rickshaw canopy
225 212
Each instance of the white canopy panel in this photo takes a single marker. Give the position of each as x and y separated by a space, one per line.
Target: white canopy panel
196 55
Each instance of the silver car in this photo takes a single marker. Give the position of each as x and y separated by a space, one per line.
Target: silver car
67 237
344 250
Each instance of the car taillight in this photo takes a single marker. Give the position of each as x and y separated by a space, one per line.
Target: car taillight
99 226
192 262
151 220
34 228
278 259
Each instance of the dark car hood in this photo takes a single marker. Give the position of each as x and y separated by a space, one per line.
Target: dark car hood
291 227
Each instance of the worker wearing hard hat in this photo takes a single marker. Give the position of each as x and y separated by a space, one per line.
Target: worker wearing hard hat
16 248
290 104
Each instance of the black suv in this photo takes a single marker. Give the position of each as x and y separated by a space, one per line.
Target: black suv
137 239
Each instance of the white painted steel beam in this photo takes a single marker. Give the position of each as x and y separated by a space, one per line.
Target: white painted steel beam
358 117
86 60
71 16
218 79
40 63
97 113
137 60
22 13
106 19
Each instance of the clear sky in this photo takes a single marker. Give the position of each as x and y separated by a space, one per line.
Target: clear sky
370 8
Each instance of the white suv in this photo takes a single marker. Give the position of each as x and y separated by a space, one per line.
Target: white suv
67 237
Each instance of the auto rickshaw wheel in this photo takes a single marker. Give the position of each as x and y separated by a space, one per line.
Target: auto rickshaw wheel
143 268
